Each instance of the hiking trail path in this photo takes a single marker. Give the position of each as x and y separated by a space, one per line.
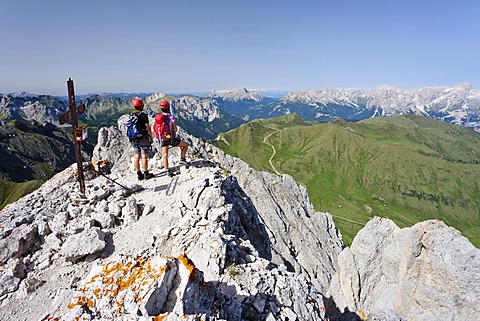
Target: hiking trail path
265 141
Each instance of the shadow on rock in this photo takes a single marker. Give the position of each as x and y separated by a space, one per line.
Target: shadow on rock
243 220
335 314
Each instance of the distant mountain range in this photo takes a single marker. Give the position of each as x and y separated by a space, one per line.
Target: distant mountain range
459 104
224 109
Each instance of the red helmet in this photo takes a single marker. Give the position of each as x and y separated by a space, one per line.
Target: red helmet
137 102
164 104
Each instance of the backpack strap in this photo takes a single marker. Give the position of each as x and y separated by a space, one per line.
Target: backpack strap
167 121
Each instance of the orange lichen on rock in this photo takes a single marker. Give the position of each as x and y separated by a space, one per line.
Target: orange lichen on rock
81 301
129 279
187 262
124 275
48 317
160 317
194 275
188 265
120 283
361 314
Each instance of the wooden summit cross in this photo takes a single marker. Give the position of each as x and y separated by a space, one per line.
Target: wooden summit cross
79 133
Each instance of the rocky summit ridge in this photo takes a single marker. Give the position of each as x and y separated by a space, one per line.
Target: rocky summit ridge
219 241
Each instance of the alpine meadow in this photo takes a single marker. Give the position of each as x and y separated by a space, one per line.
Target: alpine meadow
407 168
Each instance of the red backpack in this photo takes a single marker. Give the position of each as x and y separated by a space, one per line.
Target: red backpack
163 127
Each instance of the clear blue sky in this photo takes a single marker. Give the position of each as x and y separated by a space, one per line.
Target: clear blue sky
188 46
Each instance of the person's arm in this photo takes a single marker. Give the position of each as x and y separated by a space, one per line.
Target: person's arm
174 123
146 121
149 131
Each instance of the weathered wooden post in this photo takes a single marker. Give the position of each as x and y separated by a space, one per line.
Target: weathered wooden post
79 133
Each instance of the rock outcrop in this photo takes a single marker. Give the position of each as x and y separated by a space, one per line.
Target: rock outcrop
426 272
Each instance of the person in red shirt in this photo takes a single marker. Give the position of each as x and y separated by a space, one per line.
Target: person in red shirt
166 130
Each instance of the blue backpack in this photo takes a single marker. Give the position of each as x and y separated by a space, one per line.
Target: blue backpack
134 132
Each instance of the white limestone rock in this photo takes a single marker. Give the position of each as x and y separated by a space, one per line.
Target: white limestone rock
108 139
87 242
42 226
8 283
426 272
53 242
140 288
130 211
15 267
105 219
59 222
21 240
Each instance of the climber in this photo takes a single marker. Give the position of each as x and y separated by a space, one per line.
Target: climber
165 129
141 147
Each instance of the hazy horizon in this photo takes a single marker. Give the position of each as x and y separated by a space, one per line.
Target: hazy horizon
197 93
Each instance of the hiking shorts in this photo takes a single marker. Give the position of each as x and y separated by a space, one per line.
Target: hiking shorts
142 147
173 142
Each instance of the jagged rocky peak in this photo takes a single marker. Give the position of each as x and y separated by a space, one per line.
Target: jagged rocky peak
386 88
459 104
306 95
196 109
236 94
330 95
155 97
41 108
219 241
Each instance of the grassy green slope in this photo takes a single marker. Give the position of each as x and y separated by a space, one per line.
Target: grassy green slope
246 141
407 168
11 191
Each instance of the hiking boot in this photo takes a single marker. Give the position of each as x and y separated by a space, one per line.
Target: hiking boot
171 172
183 161
140 175
148 175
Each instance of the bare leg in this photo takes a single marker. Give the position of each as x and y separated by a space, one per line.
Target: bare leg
165 156
184 147
136 162
145 162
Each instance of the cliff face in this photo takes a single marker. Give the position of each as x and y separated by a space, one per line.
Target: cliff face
219 241
426 272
